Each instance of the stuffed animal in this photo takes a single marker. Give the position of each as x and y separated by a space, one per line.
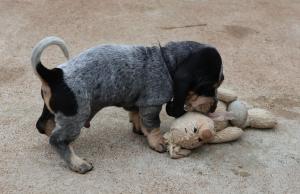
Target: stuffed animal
194 129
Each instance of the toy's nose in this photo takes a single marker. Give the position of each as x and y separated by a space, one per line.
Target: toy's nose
206 134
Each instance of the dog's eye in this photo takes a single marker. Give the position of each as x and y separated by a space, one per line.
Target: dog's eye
195 129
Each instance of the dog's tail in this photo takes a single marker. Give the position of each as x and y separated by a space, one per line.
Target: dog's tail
43 72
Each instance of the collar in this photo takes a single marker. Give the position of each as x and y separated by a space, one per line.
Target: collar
167 61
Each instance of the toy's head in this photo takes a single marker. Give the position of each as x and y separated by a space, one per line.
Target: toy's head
191 128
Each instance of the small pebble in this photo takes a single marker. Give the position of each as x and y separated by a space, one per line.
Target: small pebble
241 173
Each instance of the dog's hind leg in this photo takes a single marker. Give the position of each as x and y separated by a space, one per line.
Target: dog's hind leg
134 118
63 134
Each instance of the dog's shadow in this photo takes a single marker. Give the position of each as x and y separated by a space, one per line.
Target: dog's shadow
111 135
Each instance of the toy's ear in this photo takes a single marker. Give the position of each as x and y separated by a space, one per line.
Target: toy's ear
175 135
173 129
178 131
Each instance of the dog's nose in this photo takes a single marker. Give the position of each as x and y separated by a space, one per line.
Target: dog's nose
214 106
40 127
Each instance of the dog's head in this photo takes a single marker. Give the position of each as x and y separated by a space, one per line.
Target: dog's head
196 81
203 95
57 97
46 123
204 103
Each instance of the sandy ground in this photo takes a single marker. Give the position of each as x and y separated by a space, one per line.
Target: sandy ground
259 41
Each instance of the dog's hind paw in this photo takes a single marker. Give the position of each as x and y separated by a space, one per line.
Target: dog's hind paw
137 131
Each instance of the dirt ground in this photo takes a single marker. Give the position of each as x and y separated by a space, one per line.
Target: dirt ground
259 41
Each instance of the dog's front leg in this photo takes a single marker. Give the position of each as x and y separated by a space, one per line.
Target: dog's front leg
150 126
61 139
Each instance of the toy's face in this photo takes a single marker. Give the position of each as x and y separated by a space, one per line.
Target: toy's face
205 130
194 126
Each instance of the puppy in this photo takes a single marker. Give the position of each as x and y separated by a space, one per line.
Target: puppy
139 79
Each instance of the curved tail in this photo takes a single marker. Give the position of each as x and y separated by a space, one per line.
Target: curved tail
39 48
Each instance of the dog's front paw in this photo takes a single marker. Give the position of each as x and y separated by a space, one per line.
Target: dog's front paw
79 165
156 141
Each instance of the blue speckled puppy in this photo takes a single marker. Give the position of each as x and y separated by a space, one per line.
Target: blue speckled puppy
139 79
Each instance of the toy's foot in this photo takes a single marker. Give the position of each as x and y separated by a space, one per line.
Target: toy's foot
177 152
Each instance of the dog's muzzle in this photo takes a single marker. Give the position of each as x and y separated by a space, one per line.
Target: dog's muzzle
40 127
214 105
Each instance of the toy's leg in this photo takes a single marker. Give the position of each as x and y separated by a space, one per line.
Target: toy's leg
226 135
150 126
226 95
177 152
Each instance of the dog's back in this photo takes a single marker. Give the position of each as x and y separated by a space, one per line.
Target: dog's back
119 75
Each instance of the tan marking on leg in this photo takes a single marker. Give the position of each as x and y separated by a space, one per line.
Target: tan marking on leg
134 118
77 164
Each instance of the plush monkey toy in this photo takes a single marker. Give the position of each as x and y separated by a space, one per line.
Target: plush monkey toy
193 129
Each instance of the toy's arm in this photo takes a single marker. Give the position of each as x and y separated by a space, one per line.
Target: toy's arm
221 116
226 135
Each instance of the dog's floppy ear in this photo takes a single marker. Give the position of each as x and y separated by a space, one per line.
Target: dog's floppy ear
198 69
182 84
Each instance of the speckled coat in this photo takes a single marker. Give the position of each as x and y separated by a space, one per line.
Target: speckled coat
128 76
125 75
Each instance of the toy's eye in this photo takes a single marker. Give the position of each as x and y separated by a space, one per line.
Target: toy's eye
185 130
195 129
